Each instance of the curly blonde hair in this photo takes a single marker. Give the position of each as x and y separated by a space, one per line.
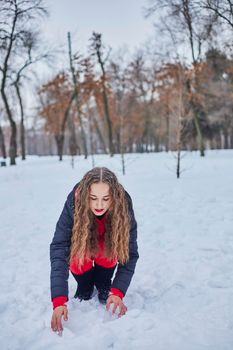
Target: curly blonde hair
84 240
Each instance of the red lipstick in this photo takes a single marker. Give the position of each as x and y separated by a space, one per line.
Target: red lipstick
99 210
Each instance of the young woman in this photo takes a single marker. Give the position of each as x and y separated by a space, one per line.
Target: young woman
96 233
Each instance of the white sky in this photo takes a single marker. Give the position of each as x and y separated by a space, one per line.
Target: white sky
121 22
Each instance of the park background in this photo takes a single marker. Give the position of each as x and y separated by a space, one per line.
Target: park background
146 89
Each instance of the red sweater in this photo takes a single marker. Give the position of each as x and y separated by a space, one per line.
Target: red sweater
60 300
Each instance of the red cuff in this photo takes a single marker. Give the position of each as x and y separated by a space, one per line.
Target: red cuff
117 292
59 301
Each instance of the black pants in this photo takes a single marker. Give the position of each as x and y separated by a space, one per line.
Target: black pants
98 276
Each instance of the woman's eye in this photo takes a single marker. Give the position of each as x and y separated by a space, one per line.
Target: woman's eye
105 199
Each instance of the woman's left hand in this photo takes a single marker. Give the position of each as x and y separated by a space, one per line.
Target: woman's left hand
114 299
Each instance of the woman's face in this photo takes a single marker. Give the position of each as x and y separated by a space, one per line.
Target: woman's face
100 199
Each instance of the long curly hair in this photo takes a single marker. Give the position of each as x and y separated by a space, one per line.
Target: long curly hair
84 239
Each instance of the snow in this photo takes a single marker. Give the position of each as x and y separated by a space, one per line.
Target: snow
181 296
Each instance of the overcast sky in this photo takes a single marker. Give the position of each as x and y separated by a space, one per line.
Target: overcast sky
120 21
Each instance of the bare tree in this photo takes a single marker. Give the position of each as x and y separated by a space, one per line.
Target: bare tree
16 17
90 92
30 44
223 9
216 80
186 20
73 146
180 114
119 78
56 98
91 132
97 46
76 95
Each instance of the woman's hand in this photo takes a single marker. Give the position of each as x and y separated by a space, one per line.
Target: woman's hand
114 299
56 324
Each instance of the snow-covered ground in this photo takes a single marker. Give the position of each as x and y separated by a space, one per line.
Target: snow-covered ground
181 296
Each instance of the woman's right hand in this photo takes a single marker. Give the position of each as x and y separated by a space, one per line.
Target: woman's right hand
56 323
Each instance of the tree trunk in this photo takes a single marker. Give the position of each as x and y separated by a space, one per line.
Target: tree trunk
60 143
22 129
50 150
2 143
22 139
98 48
231 139
121 140
99 134
226 138
107 117
91 140
146 132
218 140
13 142
72 137
179 124
118 141
156 144
199 135
178 164
167 132
130 145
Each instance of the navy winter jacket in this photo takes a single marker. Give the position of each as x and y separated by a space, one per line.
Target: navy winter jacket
60 249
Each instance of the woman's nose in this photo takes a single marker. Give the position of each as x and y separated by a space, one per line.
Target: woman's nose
99 204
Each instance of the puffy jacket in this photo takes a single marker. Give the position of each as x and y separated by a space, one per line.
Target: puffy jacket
60 249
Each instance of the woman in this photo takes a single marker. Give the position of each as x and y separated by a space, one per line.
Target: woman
95 233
